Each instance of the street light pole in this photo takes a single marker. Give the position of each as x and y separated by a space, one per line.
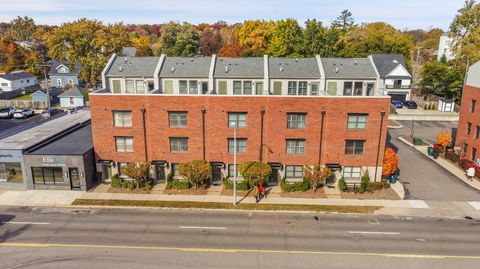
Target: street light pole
234 125
411 131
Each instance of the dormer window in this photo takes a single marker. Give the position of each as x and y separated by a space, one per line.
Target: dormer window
62 69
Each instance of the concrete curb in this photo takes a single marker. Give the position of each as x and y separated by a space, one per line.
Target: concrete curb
417 117
399 189
395 127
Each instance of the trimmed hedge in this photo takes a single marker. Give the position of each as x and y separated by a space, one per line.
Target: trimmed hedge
305 185
118 182
377 186
176 184
242 185
342 185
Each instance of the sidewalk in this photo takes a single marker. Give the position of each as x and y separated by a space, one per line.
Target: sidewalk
420 114
452 168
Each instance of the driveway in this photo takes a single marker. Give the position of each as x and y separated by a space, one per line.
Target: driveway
422 178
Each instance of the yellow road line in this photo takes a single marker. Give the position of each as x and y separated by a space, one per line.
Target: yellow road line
219 250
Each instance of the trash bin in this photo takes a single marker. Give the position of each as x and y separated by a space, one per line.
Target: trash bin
393 179
435 155
436 147
430 151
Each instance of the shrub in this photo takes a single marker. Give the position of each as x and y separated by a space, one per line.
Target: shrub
418 141
377 186
137 171
390 162
176 184
364 182
303 186
255 172
118 182
196 172
425 107
316 174
452 156
342 185
242 185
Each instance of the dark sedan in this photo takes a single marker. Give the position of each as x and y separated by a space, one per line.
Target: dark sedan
411 104
397 104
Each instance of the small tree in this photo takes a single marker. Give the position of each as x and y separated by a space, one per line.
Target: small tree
444 139
137 171
390 162
316 174
197 172
364 181
255 172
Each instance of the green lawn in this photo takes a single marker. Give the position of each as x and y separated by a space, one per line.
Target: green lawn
26 97
208 205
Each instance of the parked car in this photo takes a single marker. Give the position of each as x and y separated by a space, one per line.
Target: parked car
411 104
397 104
47 113
23 113
7 112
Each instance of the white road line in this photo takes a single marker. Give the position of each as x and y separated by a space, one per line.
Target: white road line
202 228
379 233
475 205
418 204
25 223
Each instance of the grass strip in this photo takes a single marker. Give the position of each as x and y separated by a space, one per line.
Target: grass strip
214 205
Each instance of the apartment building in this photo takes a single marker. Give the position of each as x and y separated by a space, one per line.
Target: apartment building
468 131
287 112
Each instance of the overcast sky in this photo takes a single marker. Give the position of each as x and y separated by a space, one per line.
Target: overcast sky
402 14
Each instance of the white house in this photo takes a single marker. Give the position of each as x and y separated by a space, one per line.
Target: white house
16 81
393 76
445 48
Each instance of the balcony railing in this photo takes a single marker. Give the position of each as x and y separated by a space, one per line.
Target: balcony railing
397 86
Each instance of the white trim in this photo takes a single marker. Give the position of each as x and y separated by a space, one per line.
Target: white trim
323 80
266 76
399 66
105 70
156 73
211 72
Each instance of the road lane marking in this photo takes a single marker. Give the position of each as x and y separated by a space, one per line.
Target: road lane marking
418 204
202 227
219 250
25 223
367 232
475 205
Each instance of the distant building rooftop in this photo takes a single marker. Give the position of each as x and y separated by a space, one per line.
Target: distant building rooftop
16 76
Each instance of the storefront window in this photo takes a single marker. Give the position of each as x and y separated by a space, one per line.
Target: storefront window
11 172
47 175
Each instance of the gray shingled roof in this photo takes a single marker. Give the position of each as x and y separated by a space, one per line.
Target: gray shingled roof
16 75
239 67
293 68
351 68
385 63
73 92
55 64
133 66
77 142
183 67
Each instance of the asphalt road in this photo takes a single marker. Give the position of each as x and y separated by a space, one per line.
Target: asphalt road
422 178
142 238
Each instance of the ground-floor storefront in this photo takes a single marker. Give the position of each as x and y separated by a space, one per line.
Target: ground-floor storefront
12 169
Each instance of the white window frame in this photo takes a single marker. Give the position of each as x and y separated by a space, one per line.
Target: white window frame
124 144
177 142
122 118
293 120
237 120
354 121
175 117
352 173
241 145
295 146
295 173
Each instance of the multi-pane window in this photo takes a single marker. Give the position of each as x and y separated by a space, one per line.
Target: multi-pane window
357 121
177 119
47 175
241 145
472 106
277 88
230 171
477 132
347 88
314 88
237 87
135 86
350 172
188 87
297 88
469 128
370 91
124 144
259 88
242 87
296 120
247 87
178 144
122 118
357 90
293 171
222 87
354 147
238 119
295 146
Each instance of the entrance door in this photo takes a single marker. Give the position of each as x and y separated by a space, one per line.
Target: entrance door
160 173
106 172
74 178
273 177
216 175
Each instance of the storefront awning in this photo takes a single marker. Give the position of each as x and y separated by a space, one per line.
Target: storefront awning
276 165
160 163
334 166
222 164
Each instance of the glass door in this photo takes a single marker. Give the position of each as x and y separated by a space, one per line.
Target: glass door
74 178
160 173
216 175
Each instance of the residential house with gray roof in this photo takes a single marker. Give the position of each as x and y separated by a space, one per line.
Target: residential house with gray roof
18 80
393 78
62 73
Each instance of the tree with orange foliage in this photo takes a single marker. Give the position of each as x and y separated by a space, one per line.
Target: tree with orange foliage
390 162
231 51
316 174
444 139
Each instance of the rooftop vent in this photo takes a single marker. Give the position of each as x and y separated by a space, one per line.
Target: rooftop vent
120 69
395 61
191 59
125 59
173 69
355 62
281 68
336 70
226 69
296 59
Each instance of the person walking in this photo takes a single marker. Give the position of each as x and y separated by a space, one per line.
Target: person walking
471 173
257 193
261 190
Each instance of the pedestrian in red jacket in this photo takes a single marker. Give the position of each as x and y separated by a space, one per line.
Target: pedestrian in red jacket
261 190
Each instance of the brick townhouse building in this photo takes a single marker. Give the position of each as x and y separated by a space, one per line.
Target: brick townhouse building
287 112
468 132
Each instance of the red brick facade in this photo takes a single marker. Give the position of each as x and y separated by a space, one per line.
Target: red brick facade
467 116
275 130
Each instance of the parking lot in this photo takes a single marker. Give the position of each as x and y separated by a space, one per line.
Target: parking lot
10 127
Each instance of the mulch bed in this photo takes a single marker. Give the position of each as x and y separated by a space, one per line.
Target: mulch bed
128 191
320 193
384 194
191 191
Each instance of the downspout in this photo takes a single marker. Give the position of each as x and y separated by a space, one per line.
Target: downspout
321 138
203 131
262 114
378 146
144 133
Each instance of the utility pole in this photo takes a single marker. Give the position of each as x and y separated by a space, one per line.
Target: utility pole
45 77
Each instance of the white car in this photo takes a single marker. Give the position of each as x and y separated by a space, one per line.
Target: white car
23 113
6 112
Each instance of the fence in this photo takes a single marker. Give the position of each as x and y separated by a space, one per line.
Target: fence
17 93
24 104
